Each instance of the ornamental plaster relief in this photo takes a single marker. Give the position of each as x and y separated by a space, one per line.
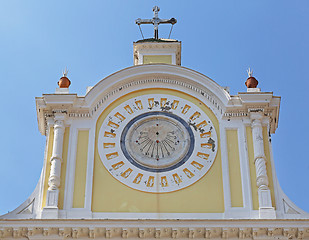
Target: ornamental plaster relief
68 231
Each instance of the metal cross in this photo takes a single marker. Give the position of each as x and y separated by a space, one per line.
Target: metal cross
155 21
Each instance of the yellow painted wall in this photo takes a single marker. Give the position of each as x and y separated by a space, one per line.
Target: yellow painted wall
234 168
205 196
268 166
80 169
254 188
148 59
50 143
63 166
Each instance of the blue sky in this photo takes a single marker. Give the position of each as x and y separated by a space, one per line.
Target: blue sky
220 39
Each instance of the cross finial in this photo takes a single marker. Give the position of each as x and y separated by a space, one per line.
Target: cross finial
250 72
155 10
65 72
155 21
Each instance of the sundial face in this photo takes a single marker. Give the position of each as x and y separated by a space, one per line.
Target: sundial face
157 143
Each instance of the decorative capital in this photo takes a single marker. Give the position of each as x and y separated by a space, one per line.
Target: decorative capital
50 121
256 113
60 116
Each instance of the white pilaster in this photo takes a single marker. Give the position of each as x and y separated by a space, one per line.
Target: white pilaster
51 208
265 205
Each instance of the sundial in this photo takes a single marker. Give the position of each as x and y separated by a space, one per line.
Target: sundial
157 142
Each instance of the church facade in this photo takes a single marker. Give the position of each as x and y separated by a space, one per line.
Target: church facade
157 150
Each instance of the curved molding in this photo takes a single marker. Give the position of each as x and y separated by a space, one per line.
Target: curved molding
150 70
157 75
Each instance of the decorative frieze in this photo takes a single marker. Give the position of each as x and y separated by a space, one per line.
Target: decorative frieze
59 111
154 232
246 113
79 115
236 114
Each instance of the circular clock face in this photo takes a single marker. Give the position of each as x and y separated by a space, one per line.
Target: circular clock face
157 143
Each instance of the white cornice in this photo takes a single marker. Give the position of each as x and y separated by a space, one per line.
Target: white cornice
159 75
130 79
242 104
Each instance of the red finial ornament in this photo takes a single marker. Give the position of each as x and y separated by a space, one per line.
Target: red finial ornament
251 81
64 82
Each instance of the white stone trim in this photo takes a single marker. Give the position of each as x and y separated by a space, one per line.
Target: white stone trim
244 168
156 53
70 177
77 126
126 215
236 212
46 161
68 170
225 168
246 124
90 168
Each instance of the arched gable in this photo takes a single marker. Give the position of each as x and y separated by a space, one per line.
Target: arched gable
160 75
